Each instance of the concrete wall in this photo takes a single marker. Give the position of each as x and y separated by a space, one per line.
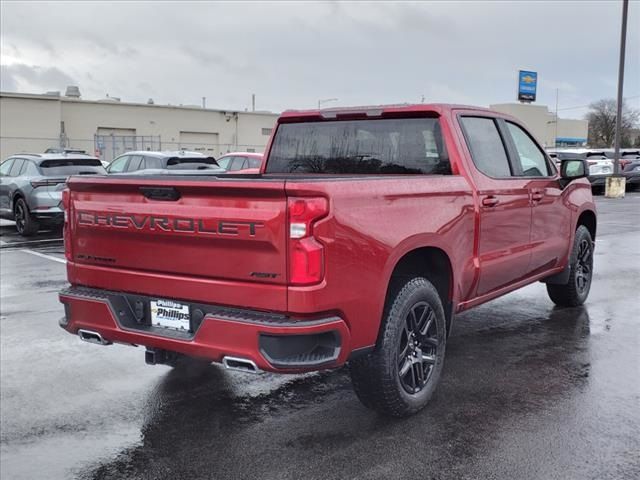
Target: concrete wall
33 122
542 123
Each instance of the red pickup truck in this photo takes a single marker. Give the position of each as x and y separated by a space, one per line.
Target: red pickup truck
365 231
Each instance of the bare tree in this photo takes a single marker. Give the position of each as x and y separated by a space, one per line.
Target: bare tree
602 123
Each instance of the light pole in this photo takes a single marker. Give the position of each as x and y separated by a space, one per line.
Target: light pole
325 100
615 185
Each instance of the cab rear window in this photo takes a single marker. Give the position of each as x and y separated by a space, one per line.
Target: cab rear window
383 146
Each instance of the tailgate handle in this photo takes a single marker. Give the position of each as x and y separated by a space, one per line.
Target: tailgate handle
167 194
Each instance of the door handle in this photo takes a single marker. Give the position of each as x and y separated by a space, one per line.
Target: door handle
490 201
537 195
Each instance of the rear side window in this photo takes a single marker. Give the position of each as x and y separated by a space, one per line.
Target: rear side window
67 166
238 164
185 163
254 163
136 163
29 169
385 146
487 149
152 162
530 157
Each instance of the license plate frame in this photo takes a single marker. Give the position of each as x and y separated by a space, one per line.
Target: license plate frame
170 314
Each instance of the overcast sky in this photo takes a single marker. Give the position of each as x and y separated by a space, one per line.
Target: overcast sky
293 54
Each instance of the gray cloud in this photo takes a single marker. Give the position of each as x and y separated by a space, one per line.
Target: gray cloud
34 77
293 53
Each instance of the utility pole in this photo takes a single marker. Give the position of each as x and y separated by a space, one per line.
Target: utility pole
555 139
615 185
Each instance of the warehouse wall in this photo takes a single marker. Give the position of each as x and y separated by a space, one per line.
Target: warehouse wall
33 123
28 125
542 123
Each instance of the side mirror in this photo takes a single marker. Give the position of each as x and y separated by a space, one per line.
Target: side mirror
572 169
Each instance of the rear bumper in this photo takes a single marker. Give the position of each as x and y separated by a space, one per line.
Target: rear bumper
598 180
273 342
632 177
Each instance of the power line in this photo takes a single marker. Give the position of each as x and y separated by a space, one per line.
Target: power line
586 106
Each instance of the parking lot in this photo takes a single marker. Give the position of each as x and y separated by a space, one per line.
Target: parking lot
529 391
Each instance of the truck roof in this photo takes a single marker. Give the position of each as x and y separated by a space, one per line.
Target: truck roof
379 110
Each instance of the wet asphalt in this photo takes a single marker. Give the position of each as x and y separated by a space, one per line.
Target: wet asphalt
529 391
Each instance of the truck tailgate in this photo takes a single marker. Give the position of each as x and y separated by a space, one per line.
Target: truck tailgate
229 230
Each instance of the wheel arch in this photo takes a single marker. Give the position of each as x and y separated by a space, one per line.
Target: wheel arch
14 198
588 219
430 262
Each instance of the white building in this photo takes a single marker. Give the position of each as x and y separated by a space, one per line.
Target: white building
549 131
33 123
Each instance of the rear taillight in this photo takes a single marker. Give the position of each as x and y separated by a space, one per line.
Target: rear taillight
306 253
623 163
46 183
66 234
592 162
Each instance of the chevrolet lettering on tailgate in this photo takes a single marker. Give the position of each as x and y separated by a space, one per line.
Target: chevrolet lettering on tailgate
168 224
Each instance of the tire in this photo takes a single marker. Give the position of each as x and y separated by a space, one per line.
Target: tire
26 225
576 290
377 377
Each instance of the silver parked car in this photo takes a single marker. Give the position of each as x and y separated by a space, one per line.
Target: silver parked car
152 163
31 187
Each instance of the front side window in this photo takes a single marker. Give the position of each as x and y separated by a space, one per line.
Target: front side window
531 158
5 167
119 164
487 149
384 146
225 162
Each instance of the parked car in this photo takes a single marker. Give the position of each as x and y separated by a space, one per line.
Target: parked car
64 150
31 187
146 162
600 166
241 162
368 230
630 166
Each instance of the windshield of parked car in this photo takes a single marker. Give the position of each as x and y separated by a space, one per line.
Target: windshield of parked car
65 166
384 146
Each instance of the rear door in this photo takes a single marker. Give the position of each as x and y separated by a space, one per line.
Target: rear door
505 213
173 228
550 219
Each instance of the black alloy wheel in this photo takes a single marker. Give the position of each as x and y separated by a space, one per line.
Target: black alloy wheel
418 348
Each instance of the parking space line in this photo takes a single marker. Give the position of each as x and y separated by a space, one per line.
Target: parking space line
48 257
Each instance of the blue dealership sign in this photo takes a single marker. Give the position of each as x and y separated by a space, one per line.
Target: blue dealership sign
527 83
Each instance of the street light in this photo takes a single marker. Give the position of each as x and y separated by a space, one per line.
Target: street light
325 100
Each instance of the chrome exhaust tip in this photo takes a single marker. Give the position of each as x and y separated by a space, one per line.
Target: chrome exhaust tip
240 365
92 337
